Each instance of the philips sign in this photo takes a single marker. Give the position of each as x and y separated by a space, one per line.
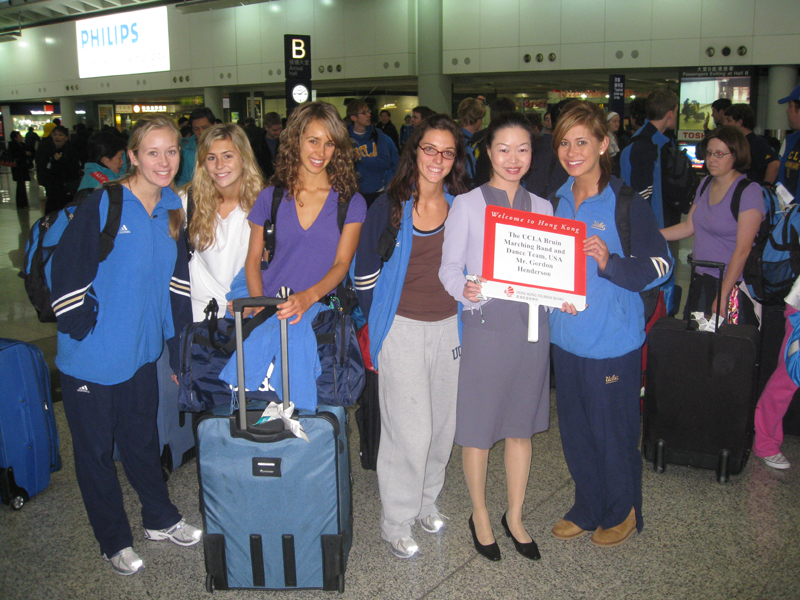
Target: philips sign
123 44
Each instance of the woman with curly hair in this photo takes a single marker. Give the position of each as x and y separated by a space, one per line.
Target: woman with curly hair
315 168
413 330
223 189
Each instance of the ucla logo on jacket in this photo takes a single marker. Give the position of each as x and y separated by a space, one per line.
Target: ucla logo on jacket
364 153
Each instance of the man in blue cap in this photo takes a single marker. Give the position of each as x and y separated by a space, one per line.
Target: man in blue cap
789 174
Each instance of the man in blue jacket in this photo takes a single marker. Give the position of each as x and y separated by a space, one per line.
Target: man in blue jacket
789 174
376 154
641 159
199 120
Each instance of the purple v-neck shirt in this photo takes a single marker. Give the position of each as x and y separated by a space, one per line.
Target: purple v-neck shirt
303 256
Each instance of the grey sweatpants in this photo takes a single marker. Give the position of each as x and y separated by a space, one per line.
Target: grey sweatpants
418 384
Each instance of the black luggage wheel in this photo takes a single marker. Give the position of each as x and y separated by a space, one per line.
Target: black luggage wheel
660 459
210 583
341 583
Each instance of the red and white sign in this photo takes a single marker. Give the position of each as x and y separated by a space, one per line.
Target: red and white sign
534 258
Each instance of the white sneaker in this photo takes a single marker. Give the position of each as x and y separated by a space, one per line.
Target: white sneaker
125 562
404 547
433 523
181 533
777 461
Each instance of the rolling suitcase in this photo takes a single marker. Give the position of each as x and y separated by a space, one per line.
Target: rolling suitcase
700 395
29 443
277 511
175 433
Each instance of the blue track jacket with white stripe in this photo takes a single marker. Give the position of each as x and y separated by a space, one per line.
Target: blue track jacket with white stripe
613 323
113 316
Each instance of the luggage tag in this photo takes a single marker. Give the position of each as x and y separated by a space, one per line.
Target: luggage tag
784 195
275 411
704 324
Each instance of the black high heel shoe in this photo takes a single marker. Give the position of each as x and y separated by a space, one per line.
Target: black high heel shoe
529 550
490 551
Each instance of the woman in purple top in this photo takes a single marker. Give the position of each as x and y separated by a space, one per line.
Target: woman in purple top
315 166
720 236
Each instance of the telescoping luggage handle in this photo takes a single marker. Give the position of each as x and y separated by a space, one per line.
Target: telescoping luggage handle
239 305
707 264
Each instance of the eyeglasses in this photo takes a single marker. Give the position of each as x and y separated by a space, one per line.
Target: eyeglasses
719 154
364 112
431 151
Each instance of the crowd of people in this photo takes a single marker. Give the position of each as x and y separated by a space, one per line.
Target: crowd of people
454 366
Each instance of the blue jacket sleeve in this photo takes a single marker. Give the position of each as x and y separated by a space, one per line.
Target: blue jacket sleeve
181 303
643 157
650 263
394 158
368 263
73 269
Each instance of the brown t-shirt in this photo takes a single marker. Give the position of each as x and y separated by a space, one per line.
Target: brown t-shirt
423 297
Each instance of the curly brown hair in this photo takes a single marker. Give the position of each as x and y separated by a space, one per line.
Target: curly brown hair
404 183
341 170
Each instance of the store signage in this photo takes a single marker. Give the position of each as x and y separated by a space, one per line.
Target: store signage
616 94
149 108
124 43
35 109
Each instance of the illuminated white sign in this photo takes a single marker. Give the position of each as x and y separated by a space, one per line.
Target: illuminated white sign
124 43
149 108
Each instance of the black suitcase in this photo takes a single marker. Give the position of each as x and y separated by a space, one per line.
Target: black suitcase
368 419
701 394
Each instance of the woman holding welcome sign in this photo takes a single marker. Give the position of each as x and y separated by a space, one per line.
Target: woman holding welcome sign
504 380
597 352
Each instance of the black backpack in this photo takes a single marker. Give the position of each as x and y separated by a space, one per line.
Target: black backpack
622 221
45 235
679 180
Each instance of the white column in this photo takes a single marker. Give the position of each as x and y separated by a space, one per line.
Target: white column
782 80
8 122
212 97
68 118
434 89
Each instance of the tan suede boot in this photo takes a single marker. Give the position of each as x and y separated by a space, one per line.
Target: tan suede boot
567 530
606 538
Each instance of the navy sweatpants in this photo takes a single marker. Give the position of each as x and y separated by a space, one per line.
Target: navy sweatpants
599 420
125 413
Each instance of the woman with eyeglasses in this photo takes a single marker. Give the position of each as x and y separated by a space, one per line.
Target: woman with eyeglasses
504 383
722 231
413 329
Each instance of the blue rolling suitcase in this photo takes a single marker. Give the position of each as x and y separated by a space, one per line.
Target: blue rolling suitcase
175 433
277 511
29 443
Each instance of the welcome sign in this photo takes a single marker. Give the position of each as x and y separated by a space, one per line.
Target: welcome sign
124 43
534 258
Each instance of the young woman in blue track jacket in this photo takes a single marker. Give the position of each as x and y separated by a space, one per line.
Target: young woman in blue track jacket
414 338
597 352
113 317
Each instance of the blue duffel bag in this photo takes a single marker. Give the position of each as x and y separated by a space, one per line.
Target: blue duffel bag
206 347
